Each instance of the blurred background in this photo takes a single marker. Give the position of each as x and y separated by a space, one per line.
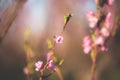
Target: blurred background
45 19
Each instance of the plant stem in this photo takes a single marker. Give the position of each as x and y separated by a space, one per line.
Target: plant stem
58 71
94 64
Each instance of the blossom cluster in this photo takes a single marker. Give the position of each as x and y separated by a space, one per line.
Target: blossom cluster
100 24
52 62
39 65
101 3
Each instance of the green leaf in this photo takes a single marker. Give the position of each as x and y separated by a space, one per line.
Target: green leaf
93 36
55 59
49 43
92 54
66 19
61 62
30 66
27 33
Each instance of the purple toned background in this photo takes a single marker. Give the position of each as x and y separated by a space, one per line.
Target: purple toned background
45 19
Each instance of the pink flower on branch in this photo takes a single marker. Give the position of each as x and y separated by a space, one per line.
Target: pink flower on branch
110 2
104 48
107 20
51 65
90 14
87 49
92 19
87 44
104 32
100 32
101 3
49 56
96 1
87 40
99 40
59 39
38 65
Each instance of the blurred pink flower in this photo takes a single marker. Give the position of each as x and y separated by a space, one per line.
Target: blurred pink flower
110 2
87 40
90 14
92 19
104 32
59 39
87 44
96 1
26 70
107 20
51 65
103 48
99 40
38 65
87 49
49 56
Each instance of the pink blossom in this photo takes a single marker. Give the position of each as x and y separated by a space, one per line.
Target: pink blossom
103 48
90 14
96 1
51 65
104 31
38 65
99 41
49 56
110 2
108 16
92 19
86 38
92 24
26 70
107 20
87 41
87 49
87 44
59 39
